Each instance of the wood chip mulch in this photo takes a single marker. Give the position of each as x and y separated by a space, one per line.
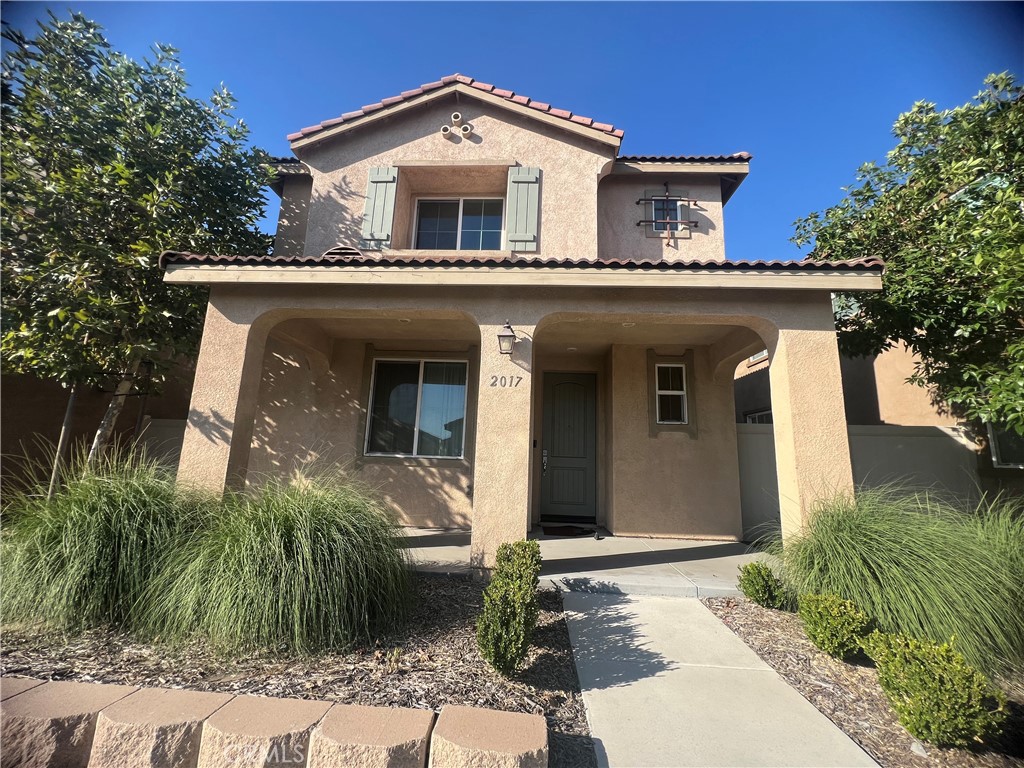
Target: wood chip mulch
849 694
434 661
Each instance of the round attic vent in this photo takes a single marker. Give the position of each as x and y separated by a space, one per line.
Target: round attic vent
343 252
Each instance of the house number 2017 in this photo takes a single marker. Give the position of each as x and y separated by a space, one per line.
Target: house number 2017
506 381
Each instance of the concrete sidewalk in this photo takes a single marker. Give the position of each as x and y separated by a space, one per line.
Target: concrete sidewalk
667 684
611 564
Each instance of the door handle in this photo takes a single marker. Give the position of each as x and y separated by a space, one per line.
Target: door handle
544 461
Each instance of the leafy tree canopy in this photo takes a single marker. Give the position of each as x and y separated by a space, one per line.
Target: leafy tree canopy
107 162
946 213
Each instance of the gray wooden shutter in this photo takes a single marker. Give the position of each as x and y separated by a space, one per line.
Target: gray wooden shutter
379 214
523 208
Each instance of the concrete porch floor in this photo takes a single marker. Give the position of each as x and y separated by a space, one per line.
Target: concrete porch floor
611 564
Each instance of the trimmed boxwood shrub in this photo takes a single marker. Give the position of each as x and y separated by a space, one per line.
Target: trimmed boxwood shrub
937 695
505 627
834 625
759 583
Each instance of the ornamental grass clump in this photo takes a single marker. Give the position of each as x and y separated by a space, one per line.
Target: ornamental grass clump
920 566
759 583
85 557
937 695
296 569
834 625
505 627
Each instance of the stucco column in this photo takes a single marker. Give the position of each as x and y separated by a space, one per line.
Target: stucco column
501 474
215 450
812 448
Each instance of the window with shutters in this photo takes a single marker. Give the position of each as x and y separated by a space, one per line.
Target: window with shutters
426 208
465 224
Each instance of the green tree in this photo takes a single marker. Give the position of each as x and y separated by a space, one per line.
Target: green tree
946 213
106 162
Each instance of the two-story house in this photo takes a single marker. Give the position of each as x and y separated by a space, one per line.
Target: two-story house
479 306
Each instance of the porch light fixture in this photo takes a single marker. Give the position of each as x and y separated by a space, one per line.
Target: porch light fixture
506 338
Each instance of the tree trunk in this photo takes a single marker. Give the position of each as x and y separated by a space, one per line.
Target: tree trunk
106 428
62 442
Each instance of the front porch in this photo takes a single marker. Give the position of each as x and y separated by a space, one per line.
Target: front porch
610 564
615 406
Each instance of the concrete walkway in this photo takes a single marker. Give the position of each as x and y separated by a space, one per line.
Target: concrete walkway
611 564
667 684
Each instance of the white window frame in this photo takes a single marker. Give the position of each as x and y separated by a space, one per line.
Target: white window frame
749 418
419 400
458 236
658 392
666 227
997 460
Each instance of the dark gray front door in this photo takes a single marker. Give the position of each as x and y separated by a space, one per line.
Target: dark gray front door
569 451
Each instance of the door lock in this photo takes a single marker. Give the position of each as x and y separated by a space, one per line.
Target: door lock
544 461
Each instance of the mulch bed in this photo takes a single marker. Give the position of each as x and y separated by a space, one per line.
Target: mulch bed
433 662
849 694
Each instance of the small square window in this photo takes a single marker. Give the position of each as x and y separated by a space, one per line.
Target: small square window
465 224
671 393
667 214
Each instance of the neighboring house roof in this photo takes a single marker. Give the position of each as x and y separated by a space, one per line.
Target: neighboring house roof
347 256
452 82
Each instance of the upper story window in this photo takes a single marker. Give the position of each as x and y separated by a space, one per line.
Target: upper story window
465 224
667 215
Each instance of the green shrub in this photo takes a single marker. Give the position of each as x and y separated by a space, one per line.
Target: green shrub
299 569
834 625
505 627
759 583
85 557
937 695
922 567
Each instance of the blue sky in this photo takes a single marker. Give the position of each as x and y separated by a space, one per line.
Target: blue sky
811 89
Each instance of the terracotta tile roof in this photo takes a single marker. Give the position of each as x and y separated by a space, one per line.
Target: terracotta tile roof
444 82
348 256
742 157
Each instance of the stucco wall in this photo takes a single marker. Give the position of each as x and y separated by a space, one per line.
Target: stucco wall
292 216
570 166
875 392
938 458
617 214
310 417
672 483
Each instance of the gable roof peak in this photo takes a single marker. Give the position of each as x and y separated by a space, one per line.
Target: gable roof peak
454 81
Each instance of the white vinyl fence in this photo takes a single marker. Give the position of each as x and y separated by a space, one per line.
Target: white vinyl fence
939 458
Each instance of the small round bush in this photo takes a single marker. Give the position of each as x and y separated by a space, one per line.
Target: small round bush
759 583
293 568
84 558
834 625
938 696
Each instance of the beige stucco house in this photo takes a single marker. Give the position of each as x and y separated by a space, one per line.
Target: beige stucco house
418 233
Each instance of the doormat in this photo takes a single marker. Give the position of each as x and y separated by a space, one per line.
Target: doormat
566 530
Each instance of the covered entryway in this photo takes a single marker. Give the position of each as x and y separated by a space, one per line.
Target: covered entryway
568 485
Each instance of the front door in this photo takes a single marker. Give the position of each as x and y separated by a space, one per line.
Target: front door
568 486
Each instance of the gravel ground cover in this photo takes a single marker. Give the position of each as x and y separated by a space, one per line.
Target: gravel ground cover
433 662
849 694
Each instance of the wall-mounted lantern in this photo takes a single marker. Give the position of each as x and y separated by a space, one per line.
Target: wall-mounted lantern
506 338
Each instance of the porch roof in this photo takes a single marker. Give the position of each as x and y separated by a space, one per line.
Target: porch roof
345 264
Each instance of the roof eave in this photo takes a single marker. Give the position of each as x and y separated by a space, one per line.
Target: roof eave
839 279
